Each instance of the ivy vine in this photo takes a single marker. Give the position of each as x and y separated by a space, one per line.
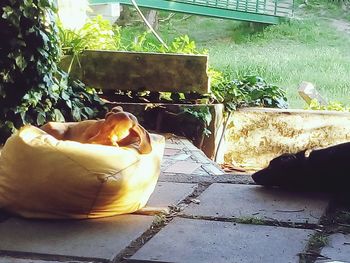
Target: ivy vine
32 88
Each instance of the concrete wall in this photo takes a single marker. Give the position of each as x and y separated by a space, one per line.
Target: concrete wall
73 13
110 11
255 136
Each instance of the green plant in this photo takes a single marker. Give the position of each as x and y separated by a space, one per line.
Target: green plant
318 240
145 42
202 113
32 89
247 91
250 220
182 45
332 106
97 33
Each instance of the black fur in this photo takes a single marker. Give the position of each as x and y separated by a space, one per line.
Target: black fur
327 169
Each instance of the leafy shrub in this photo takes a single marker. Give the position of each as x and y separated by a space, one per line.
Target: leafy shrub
145 43
32 89
247 91
97 33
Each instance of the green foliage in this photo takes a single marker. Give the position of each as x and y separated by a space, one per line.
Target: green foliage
202 113
32 89
145 42
247 91
97 33
301 31
182 45
250 220
332 106
318 241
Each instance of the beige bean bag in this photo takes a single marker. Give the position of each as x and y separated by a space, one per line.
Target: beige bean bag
42 177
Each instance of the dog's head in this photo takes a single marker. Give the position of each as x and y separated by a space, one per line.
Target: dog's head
122 129
284 171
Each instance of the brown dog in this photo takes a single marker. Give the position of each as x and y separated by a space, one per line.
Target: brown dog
119 128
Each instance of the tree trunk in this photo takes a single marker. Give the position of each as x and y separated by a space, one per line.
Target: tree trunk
152 18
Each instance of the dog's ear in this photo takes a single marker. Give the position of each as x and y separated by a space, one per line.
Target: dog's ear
145 139
114 110
117 109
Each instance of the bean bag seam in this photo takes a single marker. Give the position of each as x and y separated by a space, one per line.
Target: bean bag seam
117 172
95 198
75 161
102 184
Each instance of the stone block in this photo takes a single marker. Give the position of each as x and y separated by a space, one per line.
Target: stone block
140 71
187 240
96 238
338 248
257 135
242 201
167 193
4 259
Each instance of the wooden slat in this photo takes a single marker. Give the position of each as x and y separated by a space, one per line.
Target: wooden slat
143 71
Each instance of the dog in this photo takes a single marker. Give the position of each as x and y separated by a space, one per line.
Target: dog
119 128
326 170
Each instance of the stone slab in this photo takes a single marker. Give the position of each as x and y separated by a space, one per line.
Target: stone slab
27 260
188 240
182 157
200 157
171 152
212 169
222 178
167 193
180 144
229 200
338 248
185 167
98 238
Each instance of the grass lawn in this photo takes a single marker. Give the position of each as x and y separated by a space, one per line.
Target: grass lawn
307 48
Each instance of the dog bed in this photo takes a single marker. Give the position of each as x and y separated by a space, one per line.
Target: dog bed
42 177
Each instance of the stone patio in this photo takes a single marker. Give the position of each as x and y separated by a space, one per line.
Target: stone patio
214 217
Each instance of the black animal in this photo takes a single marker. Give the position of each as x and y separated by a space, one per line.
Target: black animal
326 170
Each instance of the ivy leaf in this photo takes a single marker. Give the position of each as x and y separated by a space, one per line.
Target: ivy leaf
21 63
58 115
41 118
76 114
8 11
65 95
89 112
69 104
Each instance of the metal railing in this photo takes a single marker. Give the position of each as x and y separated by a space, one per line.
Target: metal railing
263 11
282 8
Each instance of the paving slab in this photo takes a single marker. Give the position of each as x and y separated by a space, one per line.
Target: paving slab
27 260
171 152
180 143
98 238
167 193
222 178
188 240
338 248
185 167
212 170
230 200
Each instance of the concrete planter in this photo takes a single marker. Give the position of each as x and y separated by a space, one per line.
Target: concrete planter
257 135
